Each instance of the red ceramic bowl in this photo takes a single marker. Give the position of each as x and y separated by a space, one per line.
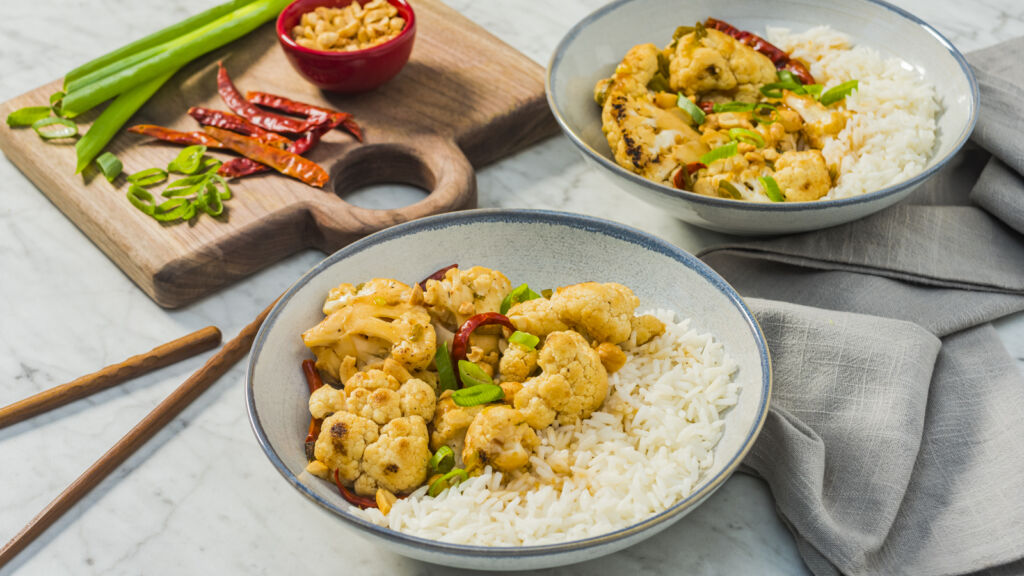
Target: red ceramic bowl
346 72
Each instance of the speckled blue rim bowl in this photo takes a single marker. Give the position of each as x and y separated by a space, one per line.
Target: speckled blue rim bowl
593 47
541 248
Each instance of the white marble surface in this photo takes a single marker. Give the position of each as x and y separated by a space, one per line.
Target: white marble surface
201 498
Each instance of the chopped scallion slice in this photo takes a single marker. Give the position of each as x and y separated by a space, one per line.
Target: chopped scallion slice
521 293
813 89
729 190
771 189
734 107
445 372
788 77
53 128
148 177
748 136
472 375
188 161
839 92
446 481
719 153
27 116
476 395
443 460
524 339
547 292
696 114
141 199
109 165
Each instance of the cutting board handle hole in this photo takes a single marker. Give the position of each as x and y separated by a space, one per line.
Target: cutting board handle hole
382 176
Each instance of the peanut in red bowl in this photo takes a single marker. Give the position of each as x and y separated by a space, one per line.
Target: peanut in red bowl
346 72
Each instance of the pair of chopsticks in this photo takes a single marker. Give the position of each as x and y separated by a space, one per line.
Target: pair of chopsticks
183 395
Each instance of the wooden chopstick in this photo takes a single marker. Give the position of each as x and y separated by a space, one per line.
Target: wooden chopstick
182 396
163 355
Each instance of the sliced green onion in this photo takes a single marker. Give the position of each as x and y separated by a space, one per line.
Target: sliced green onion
155 39
720 153
188 161
141 199
839 92
524 339
774 90
679 33
112 118
210 200
787 77
169 55
813 89
225 194
53 128
445 372
173 209
730 189
547 292
734 107
445 482
109 165
443 460
520 293
148 177
771 189
56 97
27 116
748 136
472 375
476 395
658 83
696 114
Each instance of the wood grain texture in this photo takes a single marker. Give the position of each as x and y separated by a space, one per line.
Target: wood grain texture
465 99
163 355
183 395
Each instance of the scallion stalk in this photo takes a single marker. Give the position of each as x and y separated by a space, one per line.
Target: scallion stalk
109 165
173 54
155 39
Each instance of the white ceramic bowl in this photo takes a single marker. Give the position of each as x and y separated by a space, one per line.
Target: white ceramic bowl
543 249
592 49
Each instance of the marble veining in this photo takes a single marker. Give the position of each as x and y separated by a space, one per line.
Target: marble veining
200 498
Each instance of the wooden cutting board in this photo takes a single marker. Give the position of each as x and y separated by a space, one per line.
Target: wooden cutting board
464 100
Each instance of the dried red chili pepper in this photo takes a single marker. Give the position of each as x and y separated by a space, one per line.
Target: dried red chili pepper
229 121
283 161
302 109
266 120
779 58
684 176
355 500
439 275
314 382
460 345
175 136
706 106
239 167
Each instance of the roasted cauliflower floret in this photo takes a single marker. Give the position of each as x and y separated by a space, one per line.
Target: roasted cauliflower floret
465 293
536 317
819 122
383 291
499 437
326 400
372 380
370 331
646 327
342 442
803 176
603 311
572 385
417 398
398 460
382 405
707 60
450 422
518 362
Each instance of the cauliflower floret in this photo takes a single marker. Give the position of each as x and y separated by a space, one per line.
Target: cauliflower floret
465 293
572 385
416 397
712 61
518 362
370 331
342 441
510 388
536 317
398 460
326 400
382 405
819 121
612 357
372 380
383 291
803 176
603 311
499 437
450 422
646 327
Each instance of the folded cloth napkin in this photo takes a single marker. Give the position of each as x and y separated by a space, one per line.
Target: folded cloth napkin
895 440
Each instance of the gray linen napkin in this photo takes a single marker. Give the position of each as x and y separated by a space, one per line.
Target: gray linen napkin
895 440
